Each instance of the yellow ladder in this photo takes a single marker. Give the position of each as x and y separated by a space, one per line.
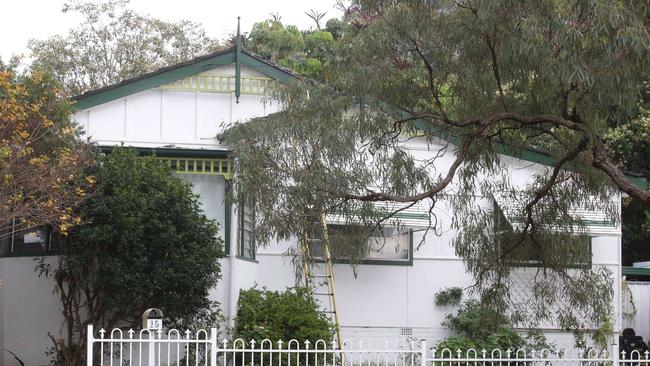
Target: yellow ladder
326 282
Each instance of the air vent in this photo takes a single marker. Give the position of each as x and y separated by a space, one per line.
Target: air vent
407 331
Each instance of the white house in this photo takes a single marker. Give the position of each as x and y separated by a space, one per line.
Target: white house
176 112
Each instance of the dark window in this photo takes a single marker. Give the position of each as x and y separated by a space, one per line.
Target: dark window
31 241
556 249
246 248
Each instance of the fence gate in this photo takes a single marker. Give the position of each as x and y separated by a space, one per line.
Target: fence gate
202 348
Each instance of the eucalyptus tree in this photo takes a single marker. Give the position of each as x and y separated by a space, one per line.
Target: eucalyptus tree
476 77
630 144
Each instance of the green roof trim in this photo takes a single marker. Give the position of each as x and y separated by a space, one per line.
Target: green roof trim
546 159
528 154
635 271
174 152
170 74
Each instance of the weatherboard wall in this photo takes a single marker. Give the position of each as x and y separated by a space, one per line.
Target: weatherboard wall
188 115
387 301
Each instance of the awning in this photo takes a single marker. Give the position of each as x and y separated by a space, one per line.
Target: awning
415 216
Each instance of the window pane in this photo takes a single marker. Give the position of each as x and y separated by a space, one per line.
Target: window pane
33 241
247 238
355 242
388 243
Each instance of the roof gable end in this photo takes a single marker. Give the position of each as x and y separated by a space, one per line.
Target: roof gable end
177 72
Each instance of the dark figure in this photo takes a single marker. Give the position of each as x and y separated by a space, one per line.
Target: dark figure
630 342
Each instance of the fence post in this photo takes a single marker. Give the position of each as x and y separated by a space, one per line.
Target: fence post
89 345
152 348
423 352
615 352
213 346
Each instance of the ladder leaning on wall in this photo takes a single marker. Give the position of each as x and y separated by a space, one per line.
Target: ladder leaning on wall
322 285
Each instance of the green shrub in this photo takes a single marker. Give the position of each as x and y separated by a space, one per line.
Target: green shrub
449 296
479 328
291 314
281 315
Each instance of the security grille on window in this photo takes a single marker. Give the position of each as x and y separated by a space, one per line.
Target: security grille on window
558 246
246 248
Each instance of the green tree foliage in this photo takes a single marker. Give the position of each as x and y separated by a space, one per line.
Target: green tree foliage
476 328
147 244
113 43
630 146
274 41
449 296
480 331
42 160
305 52
480 75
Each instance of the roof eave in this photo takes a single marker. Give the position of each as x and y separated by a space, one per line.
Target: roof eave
176 72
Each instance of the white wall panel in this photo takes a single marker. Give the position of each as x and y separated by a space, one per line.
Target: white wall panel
30 311
81 119
249 106
605 249
427 277
641 299
213 109
179 116
377 296
143 115
106 122
229 70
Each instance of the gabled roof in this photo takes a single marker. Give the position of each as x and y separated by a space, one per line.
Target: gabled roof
228 56
179 71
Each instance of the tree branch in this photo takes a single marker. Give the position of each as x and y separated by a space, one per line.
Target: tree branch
601 161
490 40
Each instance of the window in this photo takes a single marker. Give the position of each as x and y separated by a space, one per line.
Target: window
388 245
558 246
246 248
557 250
33 241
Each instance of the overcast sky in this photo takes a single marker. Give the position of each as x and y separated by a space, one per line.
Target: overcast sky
25 19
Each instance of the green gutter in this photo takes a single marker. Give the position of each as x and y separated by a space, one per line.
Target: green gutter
175 152
635 271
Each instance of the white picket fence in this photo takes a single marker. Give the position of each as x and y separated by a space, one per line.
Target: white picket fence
203 348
